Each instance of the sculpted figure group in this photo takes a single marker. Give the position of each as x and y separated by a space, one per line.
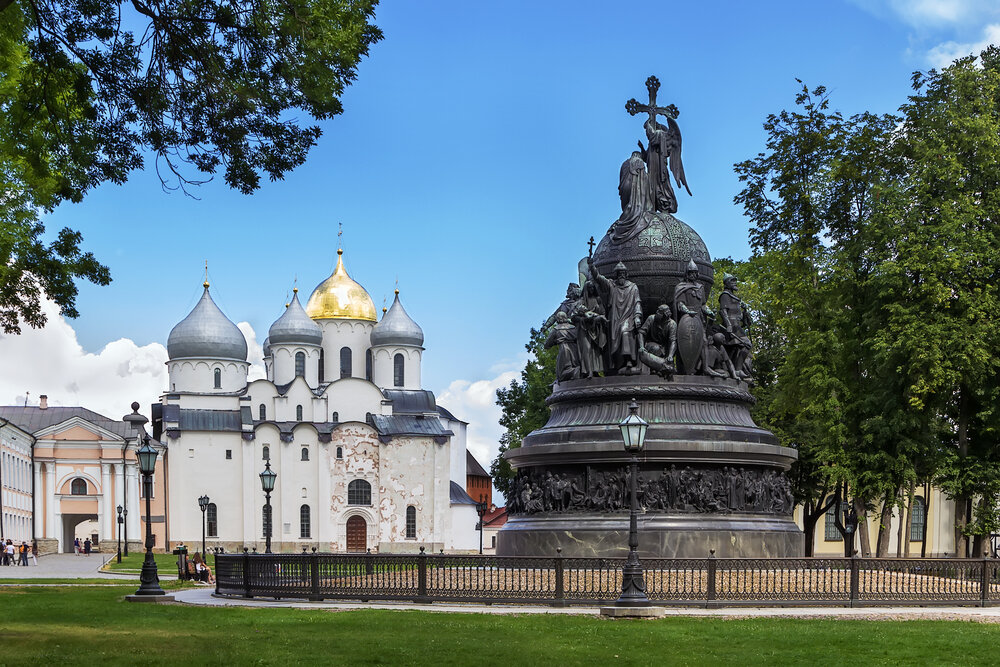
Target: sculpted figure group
671 489
599 330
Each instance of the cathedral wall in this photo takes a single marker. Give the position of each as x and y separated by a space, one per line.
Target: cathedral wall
283 363
191 374
354 334
457 449
361 452
384 375
353 399
412 469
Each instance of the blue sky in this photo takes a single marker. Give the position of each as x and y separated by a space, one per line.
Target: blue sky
479 150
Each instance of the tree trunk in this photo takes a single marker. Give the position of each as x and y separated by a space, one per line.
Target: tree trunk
963 504
866 547
901 531
927 513
909 518
885 526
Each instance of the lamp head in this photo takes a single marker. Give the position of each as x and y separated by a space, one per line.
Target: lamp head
633 429
147 457
267 478
203 502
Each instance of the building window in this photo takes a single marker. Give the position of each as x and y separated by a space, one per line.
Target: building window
359 492
267 520
340 452
229 454
411 522
218 378
305 453
322 366
265 453
335 417
831 533
305 531
262 412
917 513
300 364
368 365
212 520
398 377
78 487
345 362
298 413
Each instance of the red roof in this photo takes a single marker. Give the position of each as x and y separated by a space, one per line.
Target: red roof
496 517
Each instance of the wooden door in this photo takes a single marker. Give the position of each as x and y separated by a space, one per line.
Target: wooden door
357 534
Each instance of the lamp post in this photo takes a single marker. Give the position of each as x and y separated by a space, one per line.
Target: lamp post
125 527
633 594
149 582
203 504
267 484
119 508
481 511
850 526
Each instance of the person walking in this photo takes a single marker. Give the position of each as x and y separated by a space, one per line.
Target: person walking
10 553
34 552
76 546
86 546
23 549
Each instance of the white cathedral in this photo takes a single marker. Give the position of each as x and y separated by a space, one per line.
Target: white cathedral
365 458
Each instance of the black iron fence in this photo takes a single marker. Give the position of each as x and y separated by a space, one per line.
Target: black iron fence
586 581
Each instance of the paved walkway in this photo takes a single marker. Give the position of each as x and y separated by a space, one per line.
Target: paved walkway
61 566
205 596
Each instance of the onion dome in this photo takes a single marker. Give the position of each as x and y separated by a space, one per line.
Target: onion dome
267 347
396 328
340 298
206 332
294 326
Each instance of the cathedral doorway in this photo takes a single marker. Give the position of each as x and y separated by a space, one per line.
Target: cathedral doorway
357 534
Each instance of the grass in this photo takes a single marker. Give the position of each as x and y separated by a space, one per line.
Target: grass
61 625
165 563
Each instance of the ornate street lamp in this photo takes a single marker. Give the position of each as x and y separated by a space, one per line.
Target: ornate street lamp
481 511
203 504
149 582
125 526
119 508
267 484
633 594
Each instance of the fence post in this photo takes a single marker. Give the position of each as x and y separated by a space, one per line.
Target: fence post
422 576
314 576
984 582
369 566
710 592
246 573
855 578
560 584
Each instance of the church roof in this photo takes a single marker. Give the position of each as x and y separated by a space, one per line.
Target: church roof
410 401
294 326
340 298
459 496
397 328
472 466
32 419
206 332
416 425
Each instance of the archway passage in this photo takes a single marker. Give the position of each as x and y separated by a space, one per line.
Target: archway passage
70 523
357 534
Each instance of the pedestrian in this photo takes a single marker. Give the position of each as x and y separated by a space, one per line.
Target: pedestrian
76 546
3 553
34 551
24 553
86 546
10 553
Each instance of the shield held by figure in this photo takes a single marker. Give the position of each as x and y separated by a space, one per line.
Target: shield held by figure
690 343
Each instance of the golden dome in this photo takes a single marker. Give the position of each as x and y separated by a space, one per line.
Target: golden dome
340 298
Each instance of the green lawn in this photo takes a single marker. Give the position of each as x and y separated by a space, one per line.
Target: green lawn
63 625
165 563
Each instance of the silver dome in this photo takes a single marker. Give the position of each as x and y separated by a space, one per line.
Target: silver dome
206 332
267 347
294 326
396 328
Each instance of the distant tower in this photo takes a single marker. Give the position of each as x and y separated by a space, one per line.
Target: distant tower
206 352
397 346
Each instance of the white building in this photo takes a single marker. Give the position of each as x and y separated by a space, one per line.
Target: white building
364 457
15 483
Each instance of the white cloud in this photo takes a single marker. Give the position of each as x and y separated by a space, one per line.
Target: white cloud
255 353
933 13
945 53
51 361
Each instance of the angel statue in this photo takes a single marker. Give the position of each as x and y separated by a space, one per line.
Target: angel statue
663 155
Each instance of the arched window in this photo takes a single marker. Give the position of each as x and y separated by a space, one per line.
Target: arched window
262 412
305 453
218 378
359 492
345 362
831 534
411 522
917 513
305 531
298 413
340 452
212 519
78 487
267 520
300 364
398 379
322 366
368 365
265 453
335 417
